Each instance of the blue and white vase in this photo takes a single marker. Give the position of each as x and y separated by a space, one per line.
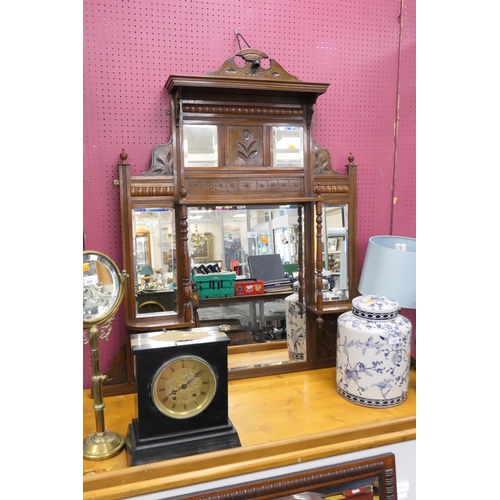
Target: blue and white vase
373 353
295 328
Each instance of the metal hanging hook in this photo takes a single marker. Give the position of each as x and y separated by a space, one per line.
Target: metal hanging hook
238 36
254 56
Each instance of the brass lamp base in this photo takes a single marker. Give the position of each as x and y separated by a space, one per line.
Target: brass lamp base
102 445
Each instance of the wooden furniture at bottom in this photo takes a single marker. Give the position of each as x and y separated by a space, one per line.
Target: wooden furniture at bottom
281 420
366 479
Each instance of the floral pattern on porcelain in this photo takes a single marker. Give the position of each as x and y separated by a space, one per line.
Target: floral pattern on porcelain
295 328
373 355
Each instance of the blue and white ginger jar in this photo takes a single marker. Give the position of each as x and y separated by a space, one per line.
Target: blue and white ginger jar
295 328
373 353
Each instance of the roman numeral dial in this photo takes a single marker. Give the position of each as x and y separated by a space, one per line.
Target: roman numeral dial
183 386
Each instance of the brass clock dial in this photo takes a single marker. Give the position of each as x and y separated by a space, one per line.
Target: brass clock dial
183 386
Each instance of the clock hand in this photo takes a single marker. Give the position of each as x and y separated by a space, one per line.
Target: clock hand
174 392
184 386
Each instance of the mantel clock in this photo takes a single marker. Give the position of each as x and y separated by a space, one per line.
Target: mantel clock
182 395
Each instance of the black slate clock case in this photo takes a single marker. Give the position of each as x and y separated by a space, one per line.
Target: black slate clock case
154 436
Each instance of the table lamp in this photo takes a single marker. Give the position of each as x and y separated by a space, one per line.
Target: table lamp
146 274
374 342
390 269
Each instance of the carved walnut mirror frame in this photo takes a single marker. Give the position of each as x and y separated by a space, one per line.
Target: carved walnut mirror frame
244 100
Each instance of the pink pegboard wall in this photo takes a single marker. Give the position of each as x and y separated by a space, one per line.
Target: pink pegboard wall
405 181
132 46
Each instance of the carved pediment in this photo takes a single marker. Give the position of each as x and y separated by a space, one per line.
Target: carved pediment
253 68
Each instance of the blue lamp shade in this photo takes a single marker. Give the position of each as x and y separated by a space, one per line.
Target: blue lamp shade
147 270
390 269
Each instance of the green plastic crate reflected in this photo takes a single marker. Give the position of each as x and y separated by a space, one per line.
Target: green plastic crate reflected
215 285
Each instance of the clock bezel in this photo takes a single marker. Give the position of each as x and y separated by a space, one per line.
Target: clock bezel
199 408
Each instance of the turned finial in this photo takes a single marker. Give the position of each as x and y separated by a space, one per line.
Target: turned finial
123 156
351 161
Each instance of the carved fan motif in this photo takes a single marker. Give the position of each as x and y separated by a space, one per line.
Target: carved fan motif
322 163
162 160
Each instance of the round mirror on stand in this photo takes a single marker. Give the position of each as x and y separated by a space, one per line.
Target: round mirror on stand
103 289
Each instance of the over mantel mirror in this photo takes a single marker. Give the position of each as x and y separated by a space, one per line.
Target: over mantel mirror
240 178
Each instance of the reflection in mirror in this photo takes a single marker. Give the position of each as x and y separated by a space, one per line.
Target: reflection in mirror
220 240
335 252
200 146
143 248
101 287
287 146
364 488
229 235
155 272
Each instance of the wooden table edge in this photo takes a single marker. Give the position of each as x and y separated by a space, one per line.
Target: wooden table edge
168 474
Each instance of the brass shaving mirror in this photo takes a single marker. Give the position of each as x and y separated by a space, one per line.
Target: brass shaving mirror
103 289
241 176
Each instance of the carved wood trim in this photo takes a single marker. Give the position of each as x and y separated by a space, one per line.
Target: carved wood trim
252 67
322 161
244 186
382 467
331 189
151 191
300 259
319 255
326 344
185 269
162 161
245 146
242 110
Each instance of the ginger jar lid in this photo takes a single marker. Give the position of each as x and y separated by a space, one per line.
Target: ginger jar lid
375 307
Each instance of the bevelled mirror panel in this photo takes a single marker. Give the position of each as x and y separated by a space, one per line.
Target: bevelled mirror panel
155 266
287 146
335 252
200 146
